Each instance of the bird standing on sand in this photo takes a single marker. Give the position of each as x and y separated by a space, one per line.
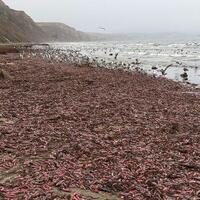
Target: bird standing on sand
21 56
184 75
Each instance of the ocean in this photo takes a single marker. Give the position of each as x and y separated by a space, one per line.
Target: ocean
177 60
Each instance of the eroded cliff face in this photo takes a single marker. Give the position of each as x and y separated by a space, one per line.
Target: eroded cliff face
59 32
17 26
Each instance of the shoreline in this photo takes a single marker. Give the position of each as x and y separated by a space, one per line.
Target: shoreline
18 47
114 132
171 64
45 51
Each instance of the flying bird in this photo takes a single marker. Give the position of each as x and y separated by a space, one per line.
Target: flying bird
164 70
102 28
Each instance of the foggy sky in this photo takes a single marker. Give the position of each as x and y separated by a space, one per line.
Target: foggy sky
116 15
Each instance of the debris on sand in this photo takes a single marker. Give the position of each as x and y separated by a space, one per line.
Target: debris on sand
4 75
94 133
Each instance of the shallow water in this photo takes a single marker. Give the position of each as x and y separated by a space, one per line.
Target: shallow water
184 57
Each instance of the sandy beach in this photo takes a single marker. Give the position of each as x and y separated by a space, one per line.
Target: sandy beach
78 133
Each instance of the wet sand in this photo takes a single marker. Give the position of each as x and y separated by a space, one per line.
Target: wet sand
66 129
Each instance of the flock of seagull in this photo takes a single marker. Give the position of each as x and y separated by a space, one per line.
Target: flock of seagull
75 57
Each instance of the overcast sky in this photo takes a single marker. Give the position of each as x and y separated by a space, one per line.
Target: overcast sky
116 15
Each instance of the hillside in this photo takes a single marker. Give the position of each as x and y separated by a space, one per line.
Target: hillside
17 26
60 32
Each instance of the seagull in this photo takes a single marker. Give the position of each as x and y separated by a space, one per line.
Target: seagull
164 70
116 56
102 28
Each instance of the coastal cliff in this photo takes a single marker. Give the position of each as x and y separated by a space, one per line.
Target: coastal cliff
17 26
59 32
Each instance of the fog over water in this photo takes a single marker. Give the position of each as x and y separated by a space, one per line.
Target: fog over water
116 15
